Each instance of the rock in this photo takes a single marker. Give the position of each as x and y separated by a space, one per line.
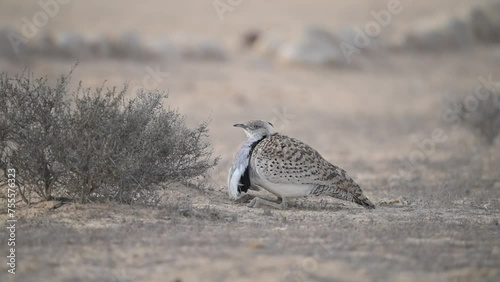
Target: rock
440 33
164 49
347 34
255 245
485 22
129 45
72 45
206 50
101 47
315 46
401 201
268 45
45 45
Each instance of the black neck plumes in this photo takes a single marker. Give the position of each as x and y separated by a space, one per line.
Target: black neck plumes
244 182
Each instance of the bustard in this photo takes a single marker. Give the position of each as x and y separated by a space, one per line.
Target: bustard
288 168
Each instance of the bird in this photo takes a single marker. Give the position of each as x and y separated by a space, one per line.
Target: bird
287 168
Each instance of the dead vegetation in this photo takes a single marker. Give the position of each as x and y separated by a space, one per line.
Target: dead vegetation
482 116
93 144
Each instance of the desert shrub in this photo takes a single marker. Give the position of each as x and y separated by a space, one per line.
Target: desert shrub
94 143
483 118
30 127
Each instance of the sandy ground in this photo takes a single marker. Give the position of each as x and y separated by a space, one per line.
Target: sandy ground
437 220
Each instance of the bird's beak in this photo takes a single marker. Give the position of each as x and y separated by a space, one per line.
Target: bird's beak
240 125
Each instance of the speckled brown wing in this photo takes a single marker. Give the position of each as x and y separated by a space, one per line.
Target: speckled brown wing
284 160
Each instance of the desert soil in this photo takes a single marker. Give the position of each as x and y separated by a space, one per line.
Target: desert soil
436 220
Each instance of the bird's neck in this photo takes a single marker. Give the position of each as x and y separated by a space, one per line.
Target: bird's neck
254 138
257 137
252 142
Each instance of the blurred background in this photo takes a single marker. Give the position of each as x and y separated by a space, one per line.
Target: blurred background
404 95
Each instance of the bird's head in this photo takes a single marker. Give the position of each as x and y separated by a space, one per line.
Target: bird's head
256 128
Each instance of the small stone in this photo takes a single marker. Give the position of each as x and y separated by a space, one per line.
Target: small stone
315 46
255 245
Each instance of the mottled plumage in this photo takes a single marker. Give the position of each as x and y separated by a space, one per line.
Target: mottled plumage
290 168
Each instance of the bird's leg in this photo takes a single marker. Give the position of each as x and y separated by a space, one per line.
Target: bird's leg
258 202
284 203
246 198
